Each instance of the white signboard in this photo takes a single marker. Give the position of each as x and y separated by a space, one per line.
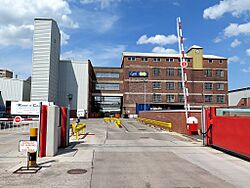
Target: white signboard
80 113
25 108
27 146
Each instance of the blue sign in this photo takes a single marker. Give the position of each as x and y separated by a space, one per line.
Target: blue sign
138 74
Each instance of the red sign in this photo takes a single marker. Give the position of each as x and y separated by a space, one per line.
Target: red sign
18 119
184 64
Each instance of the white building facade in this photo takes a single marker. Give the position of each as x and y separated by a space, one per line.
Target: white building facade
239 96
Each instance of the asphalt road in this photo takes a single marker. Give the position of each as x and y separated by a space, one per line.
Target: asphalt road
133 156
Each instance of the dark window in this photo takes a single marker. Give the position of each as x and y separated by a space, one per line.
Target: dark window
156 85
169 60
180 85
220 73
107 86
107 75
156 71
170 85
208 86
210 61
156 97
131 58
220 99
208 73
179 72
208 98
181 98
144 59
221 61
170 98
219 86
170 72
189 60
157 59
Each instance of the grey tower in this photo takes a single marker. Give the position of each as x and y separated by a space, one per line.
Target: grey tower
45 62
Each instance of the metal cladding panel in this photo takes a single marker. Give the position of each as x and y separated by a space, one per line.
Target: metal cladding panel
54 63
11 89
46 50
73 78
41 60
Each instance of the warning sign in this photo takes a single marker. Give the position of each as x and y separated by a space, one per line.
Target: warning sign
27 146
17 119
184 64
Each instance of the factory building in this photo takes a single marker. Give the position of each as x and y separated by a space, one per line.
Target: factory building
239 97
12 89
5 73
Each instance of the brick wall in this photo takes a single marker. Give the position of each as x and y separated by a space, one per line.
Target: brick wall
176 118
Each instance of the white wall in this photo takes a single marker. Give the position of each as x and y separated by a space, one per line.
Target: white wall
14 90
234 97
73 76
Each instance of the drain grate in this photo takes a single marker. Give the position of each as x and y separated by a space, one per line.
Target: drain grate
144 137
77 171
141 129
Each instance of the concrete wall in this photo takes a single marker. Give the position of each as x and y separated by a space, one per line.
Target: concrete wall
177 118
74 79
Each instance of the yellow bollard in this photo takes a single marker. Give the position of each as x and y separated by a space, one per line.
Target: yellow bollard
32 156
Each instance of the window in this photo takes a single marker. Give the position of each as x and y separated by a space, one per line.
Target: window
208 98
180 85
170 72
156 85
107 86
107 75
144 59
131 58
220 73
208 73
169 60
221 61
210 61
170 98
179 72
157 59
219 86
189 60
156 97
208 86
220 99
170 85
156 71
181 98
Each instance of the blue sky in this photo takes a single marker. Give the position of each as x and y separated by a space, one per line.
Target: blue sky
100 30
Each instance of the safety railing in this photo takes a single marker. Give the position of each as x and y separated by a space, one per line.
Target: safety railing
77 128
116 121
10 126
161 124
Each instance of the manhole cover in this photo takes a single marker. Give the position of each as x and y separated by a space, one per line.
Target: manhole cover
77 171
144 137
141 129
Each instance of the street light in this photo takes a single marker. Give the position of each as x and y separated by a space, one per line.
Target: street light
70 97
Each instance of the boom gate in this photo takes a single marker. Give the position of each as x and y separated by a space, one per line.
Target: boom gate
229 129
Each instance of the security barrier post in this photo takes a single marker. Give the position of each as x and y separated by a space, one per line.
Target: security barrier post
32 156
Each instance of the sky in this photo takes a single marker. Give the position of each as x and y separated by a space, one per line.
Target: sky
100 30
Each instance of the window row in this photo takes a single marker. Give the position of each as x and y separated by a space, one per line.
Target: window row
173 72
107 86
158 59
172 85
180 98
107 75
213 60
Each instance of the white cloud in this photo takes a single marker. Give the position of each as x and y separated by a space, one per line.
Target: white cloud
247 70
235 7
103 3
164 50
233 59
176 4
248 51
235 43
99 56
236 29
64 38
217 40
157 39
16 19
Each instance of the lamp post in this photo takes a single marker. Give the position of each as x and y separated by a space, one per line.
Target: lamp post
70 97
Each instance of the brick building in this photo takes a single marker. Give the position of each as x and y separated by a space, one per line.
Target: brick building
4 73
160 86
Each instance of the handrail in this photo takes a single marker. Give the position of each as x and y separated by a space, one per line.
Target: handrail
155 123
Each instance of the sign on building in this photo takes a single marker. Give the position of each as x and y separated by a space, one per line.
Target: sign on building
25 108
138 74
27 146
